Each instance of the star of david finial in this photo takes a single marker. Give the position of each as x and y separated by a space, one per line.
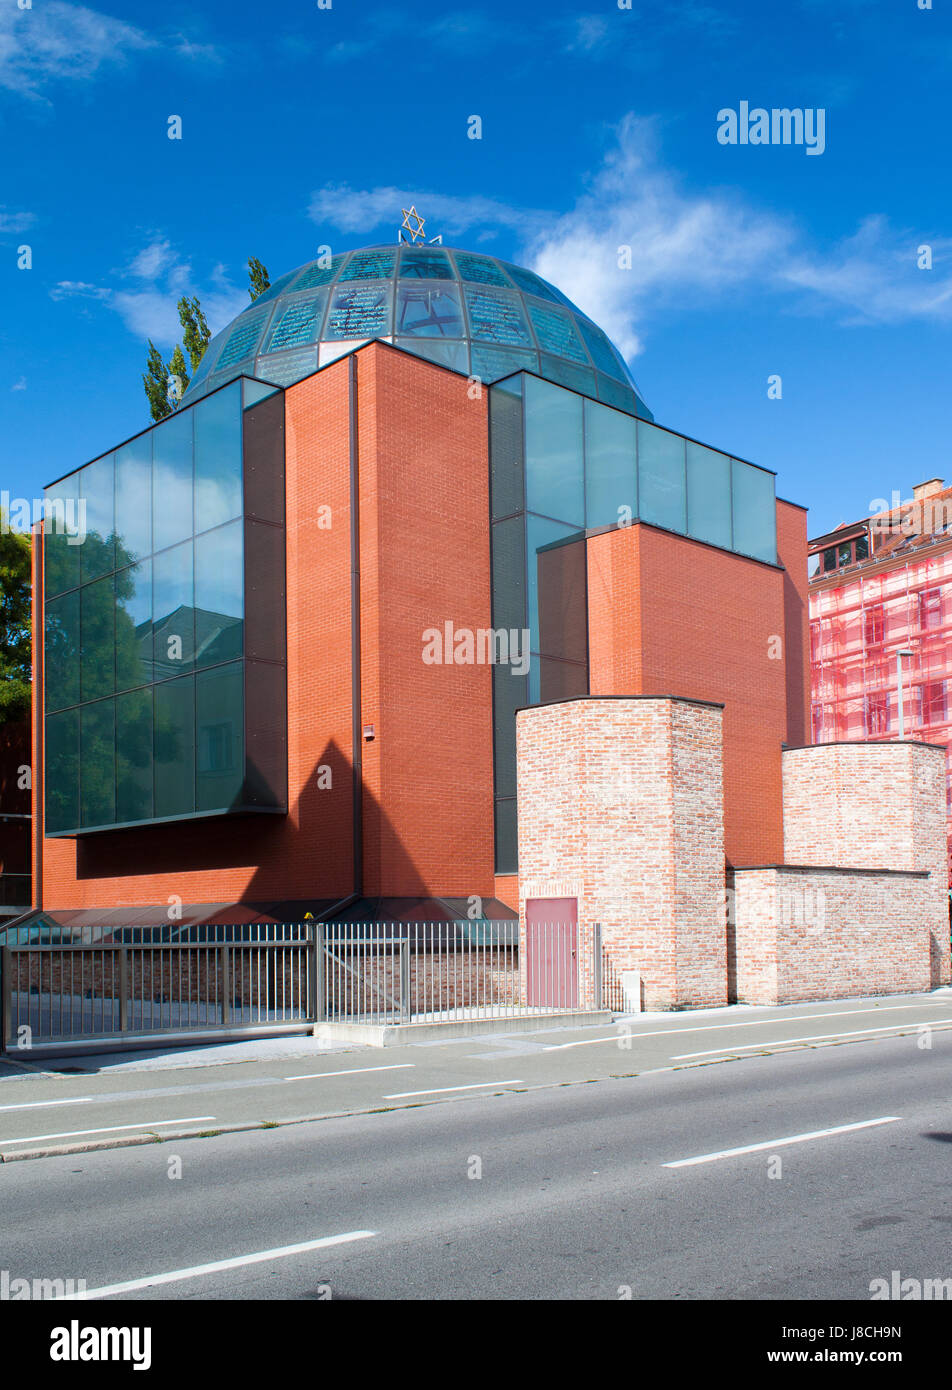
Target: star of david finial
412 223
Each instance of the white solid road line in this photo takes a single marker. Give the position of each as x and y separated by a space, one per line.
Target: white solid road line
352 1071
747 1023
437 1090
109 1129
818 1037
780 1143
44 1104
280 1252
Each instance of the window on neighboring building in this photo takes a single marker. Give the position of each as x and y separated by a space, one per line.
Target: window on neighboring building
862 547
930 608
813 565
829 559
818 723
874 626
844 553
876 713
934 705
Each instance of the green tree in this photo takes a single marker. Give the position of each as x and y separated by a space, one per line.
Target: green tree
156 382
177 368
259 277
196 331
16 662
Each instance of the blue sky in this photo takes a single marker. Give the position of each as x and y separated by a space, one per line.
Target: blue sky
305 126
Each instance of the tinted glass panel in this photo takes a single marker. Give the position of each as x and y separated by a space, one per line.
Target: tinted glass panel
134 626
369 265
296 324
134 500
172 480
134 756
481 269
611 494
430 265
218 458
98 635
173 612
61 754
266 756
97 738
709 495
507 482
556 332
661 477
62 651
554 475
497 316
175 747
491 363
242 339
318 274
507 853
219 596
540 533
220 722
65 529
429 311
97 489
359 311
265 615
755 511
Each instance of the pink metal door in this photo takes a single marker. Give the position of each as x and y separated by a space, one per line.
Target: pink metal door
552 952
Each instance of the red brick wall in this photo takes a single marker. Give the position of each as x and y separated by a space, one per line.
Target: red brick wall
424 535
669 615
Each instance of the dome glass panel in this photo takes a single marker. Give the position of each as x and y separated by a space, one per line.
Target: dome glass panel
471 312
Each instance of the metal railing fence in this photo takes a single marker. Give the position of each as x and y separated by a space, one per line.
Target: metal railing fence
63 984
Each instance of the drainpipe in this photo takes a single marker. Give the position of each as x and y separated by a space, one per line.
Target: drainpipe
357 729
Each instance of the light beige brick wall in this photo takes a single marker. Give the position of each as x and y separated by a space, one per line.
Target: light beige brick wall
805 934
621 807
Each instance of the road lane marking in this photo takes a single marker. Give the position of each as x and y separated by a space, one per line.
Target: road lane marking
280 1252
780 1143
818 1037
748 1023
437 1090
352 1071
44 1104
109 1129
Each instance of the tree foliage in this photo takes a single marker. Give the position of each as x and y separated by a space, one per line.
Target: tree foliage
16 661
258 276
195 336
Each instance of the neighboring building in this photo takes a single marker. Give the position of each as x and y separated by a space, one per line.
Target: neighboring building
16 893
881 596
265 686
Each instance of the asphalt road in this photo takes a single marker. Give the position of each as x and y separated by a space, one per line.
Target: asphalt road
109 1099
581 1191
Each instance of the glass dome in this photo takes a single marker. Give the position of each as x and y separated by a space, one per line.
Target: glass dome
475 314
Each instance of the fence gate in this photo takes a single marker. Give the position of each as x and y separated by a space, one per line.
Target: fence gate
552 952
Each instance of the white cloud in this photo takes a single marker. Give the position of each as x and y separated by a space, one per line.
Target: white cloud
364 210
150 309
19 384
15 221
55 40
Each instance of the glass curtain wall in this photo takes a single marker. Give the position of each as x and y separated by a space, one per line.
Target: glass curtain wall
153 637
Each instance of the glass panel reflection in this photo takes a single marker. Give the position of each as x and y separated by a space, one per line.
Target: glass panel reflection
134 756
62 651
61 772
219 595
134 499
754 511
554 477
97 743
611 493
175 747
172 479
429 311
97 491
709 495
218 458
220 723
173 611
661 477
134 626
97 667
